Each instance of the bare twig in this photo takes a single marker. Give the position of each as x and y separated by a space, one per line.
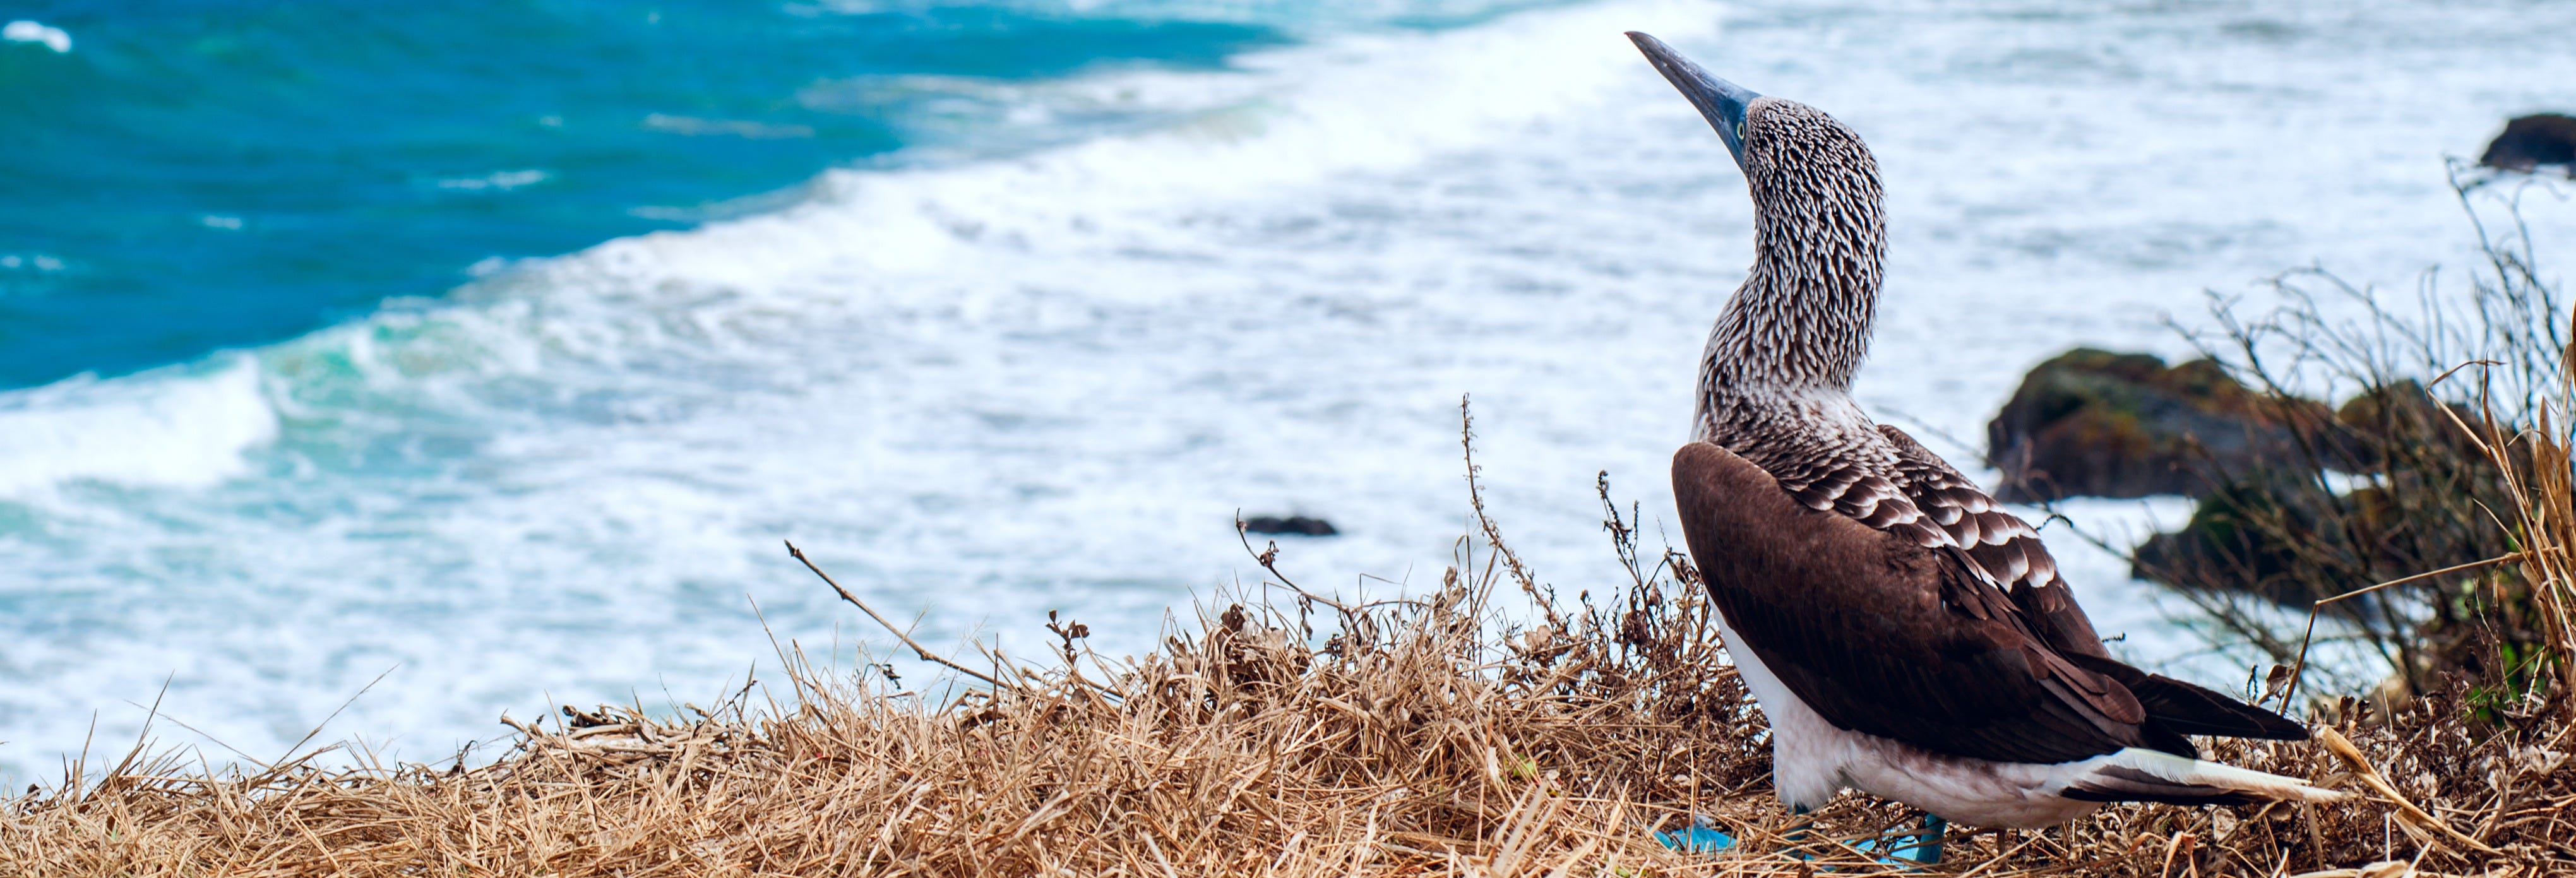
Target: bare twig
2299 667
917 649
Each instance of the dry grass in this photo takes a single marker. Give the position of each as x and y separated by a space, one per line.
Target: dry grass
1413 737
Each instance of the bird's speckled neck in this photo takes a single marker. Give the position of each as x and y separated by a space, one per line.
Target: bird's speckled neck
1799 327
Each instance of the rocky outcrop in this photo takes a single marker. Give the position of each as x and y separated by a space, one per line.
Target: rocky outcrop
2100 424
1297 525
2529 142
2284 533
2400 420
2247 536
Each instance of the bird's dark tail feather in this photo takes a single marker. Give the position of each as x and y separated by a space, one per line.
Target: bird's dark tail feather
2191 710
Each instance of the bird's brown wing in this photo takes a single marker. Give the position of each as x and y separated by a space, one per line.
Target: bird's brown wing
2008 551
1881 634
1998 543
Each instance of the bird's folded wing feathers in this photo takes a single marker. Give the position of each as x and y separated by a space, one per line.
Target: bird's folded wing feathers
1921 498
1998 543
2009 551
1880 634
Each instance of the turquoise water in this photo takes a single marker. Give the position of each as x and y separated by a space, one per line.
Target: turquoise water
203 174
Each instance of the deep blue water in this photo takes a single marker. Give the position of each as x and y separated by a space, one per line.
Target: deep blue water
199 174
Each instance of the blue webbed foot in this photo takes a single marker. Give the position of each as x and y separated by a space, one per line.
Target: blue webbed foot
1920 848
1697 838
1926 847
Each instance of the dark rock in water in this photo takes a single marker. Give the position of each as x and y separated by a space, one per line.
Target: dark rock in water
2400 419
1294 524
2531 141
2236 540
2281 532
2095 423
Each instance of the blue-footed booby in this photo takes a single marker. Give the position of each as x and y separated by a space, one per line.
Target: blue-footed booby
1904 634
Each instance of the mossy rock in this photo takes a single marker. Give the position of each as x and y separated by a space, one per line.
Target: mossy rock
2290 536
2095 423
2400 420
2246 535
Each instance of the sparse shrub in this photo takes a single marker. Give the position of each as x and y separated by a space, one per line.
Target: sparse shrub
2419 471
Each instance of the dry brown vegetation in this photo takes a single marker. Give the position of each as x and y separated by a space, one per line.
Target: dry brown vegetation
1487 728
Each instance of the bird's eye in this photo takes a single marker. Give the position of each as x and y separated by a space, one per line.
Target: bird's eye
1741 126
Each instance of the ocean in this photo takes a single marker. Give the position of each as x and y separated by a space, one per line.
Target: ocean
408 367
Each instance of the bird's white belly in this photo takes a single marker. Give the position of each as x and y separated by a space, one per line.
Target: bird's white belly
1811 759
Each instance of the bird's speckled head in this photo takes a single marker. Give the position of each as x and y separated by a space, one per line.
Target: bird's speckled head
1811 177
1817 203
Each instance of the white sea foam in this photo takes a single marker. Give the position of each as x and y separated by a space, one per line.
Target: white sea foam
172 428
24 31
983 388
1366 104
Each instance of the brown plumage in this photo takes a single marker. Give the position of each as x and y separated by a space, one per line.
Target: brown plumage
1804 586
1905 633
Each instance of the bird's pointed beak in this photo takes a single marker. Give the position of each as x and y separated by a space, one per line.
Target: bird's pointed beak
1722 102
